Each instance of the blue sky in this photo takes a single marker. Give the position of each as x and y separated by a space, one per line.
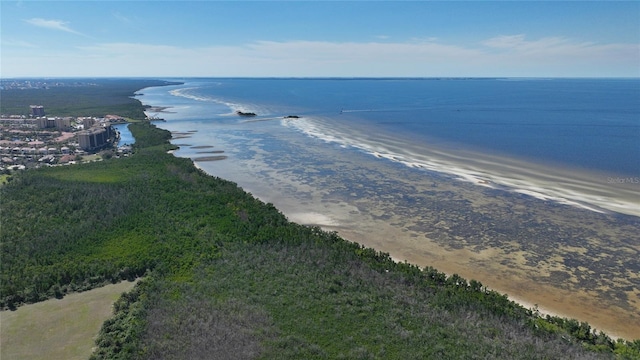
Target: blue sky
319 38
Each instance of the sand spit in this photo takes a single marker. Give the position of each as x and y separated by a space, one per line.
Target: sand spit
158 109
210 152
180 135
262 119
210 158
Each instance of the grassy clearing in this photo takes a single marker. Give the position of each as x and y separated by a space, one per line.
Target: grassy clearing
90 175
58 329
91 157
4 179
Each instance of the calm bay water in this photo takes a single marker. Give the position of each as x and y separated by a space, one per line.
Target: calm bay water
126 138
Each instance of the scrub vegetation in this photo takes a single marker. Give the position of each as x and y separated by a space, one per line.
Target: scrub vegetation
227 276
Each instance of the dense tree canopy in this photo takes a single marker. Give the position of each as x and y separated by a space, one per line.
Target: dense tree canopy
79 97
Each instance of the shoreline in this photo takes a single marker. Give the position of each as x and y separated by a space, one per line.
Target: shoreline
518 287
549 300
370 221
513 279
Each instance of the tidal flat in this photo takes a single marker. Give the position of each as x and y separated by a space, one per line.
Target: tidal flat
565 260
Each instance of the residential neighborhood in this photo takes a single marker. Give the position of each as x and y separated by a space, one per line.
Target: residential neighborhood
40 140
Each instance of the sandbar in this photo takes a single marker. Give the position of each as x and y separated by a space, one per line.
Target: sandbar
158 109
211 152
210 158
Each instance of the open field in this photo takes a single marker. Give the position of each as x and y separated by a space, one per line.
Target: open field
58 328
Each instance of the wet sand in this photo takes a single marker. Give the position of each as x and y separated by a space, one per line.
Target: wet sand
211 152
210 158
158 109
569 261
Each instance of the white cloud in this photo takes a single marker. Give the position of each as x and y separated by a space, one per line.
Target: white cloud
559 54
261 58
519 43
429 39
504 41
123 19
52 24
364 53
16 43
501 56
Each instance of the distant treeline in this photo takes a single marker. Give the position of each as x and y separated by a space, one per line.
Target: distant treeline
80 97
228 276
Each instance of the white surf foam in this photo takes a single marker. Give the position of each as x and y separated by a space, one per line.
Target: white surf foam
233 107
516 176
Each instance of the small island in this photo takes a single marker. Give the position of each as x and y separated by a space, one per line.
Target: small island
242 113
292 117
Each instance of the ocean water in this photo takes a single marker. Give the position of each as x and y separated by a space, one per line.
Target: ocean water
570 141
531 186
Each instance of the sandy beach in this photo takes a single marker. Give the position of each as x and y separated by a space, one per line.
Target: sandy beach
210 158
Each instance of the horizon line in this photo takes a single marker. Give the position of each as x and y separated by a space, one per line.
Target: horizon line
328 77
